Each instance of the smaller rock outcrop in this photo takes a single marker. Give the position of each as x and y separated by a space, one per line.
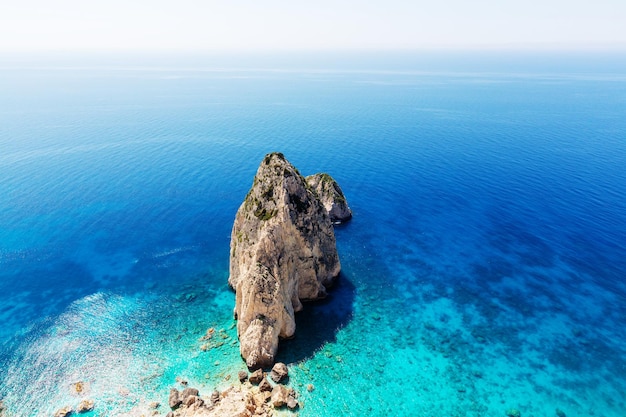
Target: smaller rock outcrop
331 196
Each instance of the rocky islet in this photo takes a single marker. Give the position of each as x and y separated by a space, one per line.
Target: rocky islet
282 252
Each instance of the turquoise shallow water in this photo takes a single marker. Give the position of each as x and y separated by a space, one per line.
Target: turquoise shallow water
483 270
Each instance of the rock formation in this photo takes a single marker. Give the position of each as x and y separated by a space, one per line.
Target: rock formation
331 196
282 251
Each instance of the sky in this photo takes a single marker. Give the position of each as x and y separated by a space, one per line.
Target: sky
27 25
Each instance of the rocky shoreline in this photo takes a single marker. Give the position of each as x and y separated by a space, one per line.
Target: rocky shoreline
258 394
255 396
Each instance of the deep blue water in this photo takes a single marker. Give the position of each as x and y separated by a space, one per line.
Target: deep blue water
484 269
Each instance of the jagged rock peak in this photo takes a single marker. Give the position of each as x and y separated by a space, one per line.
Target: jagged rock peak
331 197
283 251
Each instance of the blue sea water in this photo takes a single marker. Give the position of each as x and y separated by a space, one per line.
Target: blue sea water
484 269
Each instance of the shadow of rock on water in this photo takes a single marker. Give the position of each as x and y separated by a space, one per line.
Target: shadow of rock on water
318 322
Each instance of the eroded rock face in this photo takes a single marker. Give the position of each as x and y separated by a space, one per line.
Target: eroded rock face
282 251
331 196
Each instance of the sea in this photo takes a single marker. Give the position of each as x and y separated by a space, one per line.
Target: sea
483 272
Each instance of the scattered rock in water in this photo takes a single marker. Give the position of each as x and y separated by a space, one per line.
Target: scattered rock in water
84 406
310 387
513 412
279 372
242 375
256 376
80 388
209 334
174 400
154 405
560 413
63 412
283 250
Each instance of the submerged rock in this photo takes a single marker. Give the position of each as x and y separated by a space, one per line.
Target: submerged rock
331 196
283 251
513 412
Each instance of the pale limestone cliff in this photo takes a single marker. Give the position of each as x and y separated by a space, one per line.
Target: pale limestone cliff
331 196
282 251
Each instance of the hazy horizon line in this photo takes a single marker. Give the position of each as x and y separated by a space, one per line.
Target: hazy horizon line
504 47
